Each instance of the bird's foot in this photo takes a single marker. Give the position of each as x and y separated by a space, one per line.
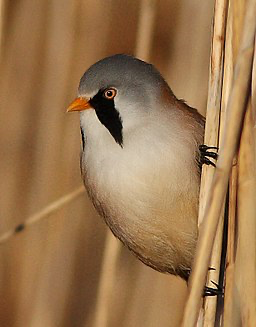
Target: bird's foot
205 154
210 291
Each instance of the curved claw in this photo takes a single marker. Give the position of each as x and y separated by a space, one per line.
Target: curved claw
205 154
210 291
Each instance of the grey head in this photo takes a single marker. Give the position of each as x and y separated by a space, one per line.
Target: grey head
123 90
123 72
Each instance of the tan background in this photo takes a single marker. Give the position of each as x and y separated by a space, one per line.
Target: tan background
49 273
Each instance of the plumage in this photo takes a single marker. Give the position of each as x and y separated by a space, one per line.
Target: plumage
146 185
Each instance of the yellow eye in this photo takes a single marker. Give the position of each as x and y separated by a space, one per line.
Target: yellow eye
109 93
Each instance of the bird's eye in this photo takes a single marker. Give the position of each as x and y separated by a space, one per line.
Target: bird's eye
109 93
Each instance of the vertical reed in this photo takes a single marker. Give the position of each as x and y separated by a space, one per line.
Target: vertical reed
1 23
212 131
235 112
231 48
245 265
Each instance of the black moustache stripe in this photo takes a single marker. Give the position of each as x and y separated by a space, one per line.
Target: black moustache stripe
83 138
108 116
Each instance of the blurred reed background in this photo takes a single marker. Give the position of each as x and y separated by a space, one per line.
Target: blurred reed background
50 272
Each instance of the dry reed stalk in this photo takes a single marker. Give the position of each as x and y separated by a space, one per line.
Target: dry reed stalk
210 302
230 257
214 97
253 96
2 3
45 212
245 268
230 53
145 29
235 111
211 139
107 280
254 88
112 247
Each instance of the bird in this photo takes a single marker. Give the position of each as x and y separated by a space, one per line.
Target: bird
141 160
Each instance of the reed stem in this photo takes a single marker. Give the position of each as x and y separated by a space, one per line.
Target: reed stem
235 111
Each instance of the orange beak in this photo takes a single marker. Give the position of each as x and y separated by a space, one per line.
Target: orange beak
79 104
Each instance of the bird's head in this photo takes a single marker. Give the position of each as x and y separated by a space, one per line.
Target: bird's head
122 92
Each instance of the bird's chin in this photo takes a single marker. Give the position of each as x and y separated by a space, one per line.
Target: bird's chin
88 118
98 138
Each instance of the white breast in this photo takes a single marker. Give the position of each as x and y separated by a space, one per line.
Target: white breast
148 190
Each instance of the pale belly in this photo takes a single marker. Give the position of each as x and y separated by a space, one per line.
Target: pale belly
152 211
